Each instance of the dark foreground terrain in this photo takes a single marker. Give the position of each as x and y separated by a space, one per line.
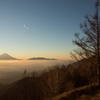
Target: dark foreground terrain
50 83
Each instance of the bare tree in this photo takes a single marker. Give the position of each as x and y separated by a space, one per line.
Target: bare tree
52 81
90 43
24 74
34 74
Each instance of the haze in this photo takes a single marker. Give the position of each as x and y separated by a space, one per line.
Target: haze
10 69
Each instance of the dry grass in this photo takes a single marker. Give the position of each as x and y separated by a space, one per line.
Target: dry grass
76 93
84 97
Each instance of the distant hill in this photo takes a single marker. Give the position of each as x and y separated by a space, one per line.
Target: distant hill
41 58
25 89
5 56
10 80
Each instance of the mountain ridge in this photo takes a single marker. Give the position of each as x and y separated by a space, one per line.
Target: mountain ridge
41 58
5 56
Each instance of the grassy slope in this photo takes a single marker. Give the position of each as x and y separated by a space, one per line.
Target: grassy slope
18 88
76 92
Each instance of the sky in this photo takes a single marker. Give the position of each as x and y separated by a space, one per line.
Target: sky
41 28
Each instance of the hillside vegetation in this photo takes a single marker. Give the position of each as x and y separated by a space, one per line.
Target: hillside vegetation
52 82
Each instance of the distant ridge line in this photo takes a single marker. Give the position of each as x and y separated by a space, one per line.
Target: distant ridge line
5 56
41 58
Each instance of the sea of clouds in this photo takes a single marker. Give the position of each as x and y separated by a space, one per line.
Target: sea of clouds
14 68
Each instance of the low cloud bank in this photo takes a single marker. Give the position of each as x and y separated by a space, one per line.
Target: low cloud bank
13 68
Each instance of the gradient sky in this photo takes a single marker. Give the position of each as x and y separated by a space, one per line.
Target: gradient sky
41 28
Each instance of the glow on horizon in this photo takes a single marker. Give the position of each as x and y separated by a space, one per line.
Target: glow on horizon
59 57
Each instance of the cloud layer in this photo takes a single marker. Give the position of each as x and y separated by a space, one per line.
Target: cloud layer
25 26
10 69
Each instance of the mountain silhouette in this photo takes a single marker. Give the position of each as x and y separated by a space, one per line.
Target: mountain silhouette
41 58
5 56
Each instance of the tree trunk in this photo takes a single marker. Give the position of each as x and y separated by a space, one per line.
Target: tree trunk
99 77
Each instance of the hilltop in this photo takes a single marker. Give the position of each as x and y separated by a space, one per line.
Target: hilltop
5 56
41 58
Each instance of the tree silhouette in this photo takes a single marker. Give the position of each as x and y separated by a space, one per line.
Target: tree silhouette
90 44
24 74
